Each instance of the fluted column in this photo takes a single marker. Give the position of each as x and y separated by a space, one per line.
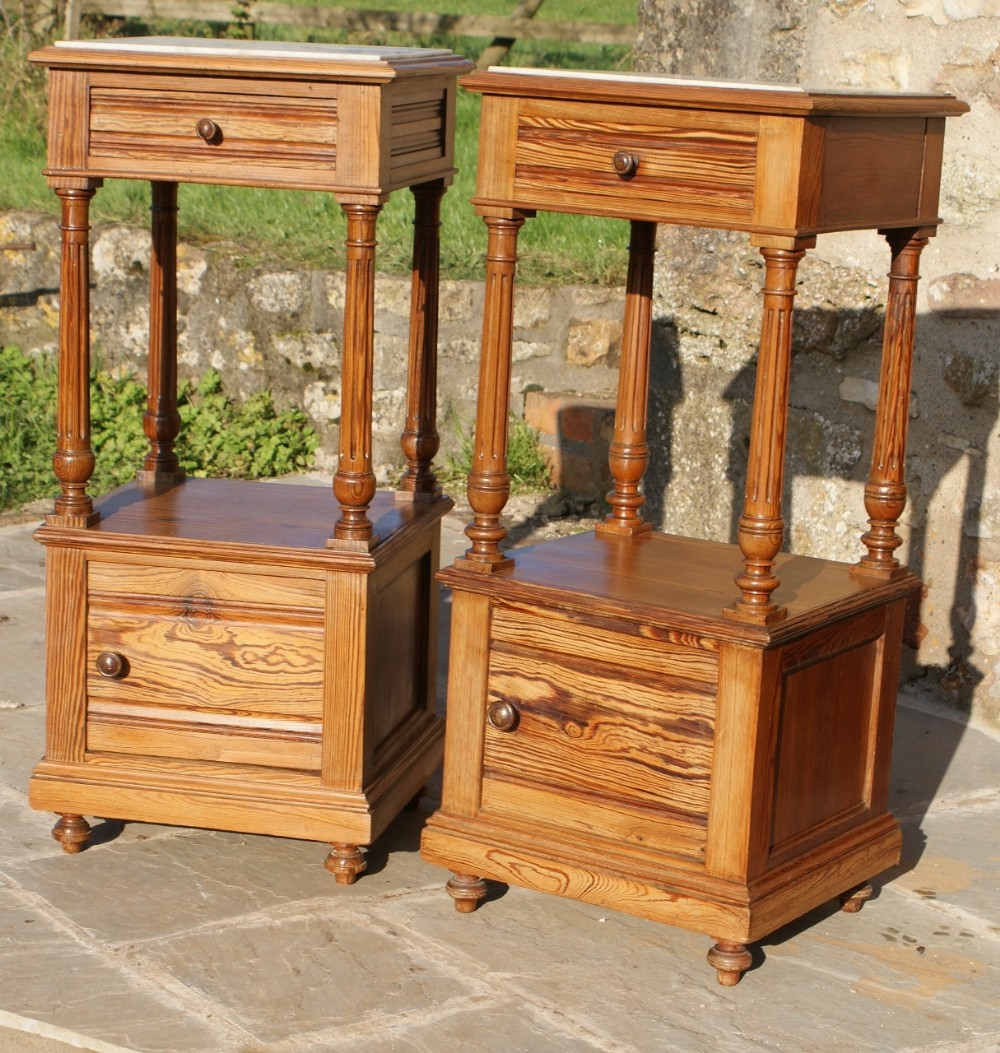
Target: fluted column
489 483
162 422
761 528
354 482
419 441
885 492
628 455
73 462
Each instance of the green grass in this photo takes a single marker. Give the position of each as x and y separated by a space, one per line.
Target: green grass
308 227
553 10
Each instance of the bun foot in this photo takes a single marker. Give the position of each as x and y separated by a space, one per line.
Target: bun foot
730 961
345 862
467 891
72 832
853 900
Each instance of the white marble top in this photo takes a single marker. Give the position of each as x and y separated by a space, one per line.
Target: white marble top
645 78
254 49
686 82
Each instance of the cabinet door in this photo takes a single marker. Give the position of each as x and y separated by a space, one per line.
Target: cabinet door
204 664
599 729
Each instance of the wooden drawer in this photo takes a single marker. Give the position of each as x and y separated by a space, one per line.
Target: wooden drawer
205 664
620 747
209 133
680 166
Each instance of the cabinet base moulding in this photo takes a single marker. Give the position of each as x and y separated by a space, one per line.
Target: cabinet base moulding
675 896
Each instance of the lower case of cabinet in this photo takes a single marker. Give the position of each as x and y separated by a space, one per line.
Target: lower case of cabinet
616 737
213 661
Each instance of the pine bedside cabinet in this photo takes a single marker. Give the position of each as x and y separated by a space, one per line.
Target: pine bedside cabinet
626 725
238 655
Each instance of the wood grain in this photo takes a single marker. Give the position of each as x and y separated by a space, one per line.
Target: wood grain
200 653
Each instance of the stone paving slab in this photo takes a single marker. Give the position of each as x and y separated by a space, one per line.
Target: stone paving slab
173 940
54 975
21 1034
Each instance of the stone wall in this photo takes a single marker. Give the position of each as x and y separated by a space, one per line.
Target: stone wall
708 286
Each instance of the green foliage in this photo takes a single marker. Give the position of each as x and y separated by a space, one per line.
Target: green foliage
525 464
27 427
220 437
249 440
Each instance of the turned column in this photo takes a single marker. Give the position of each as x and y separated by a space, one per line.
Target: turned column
628 455
354 482
489 483
73 462
761 527
885 492
162 422
419 441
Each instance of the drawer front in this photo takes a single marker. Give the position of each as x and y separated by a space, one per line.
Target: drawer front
603 744
209 134
205 640
636 162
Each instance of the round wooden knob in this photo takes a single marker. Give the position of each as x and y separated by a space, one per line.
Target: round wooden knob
111 664
503 716
625 164
208 130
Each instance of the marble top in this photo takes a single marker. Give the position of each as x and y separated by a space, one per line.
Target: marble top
688 82
252 49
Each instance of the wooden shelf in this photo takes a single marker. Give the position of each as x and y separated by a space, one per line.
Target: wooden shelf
686 582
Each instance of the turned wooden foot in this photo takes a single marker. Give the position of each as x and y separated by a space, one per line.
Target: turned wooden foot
467 891
854 899
345 862
72 832
730 961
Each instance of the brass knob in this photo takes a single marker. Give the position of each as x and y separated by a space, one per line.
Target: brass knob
625 164
208 130
503 716
111 664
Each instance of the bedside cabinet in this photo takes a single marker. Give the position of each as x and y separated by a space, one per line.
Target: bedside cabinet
693 732
245 656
